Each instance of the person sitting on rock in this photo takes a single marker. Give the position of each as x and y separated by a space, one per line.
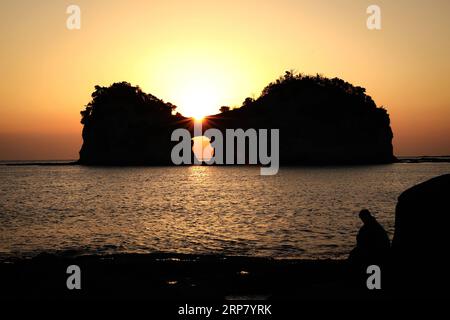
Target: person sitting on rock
372 241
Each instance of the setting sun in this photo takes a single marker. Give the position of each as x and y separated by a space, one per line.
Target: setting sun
199 99
200 79
198 85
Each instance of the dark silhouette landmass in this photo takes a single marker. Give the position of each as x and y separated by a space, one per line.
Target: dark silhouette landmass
321 121
122 125
424 159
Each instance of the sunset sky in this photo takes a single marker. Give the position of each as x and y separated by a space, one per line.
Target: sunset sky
178 50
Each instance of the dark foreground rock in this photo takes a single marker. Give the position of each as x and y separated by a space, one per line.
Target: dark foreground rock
420 247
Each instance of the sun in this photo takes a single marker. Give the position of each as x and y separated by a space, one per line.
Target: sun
198 118
199 99
198 82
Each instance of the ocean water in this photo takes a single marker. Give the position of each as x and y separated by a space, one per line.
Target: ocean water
302 212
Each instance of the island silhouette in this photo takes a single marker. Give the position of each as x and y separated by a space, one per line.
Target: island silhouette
321 121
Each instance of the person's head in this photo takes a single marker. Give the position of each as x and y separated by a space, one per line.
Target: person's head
366 216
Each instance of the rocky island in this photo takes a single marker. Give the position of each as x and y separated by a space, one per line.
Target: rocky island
321 121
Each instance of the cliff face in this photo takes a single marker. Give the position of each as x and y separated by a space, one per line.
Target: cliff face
124 126
321 121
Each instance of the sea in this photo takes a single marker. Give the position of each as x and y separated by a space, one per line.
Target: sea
300 213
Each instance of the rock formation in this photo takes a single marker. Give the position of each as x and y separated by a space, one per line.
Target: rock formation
420 247
321 121
125 126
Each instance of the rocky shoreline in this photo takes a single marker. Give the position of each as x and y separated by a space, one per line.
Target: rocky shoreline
177 277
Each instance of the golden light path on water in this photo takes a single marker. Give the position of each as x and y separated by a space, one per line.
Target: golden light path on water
300 212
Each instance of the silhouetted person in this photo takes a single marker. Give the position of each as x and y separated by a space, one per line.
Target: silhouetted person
372 241
372 248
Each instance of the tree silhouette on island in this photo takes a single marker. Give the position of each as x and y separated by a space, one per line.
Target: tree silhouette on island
321 121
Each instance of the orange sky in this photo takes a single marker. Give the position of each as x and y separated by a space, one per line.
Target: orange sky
178 50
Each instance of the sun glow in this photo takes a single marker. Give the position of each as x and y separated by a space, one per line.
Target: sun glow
199 79
198 99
